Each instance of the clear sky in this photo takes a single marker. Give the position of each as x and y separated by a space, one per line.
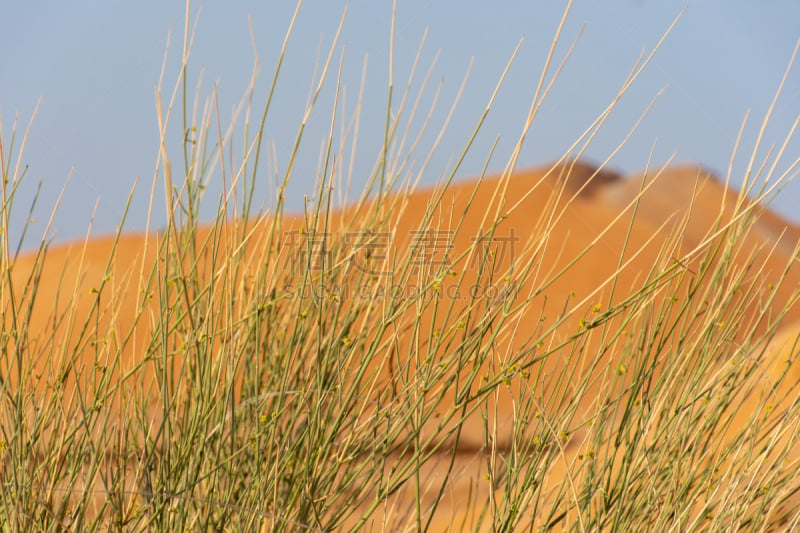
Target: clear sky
95 65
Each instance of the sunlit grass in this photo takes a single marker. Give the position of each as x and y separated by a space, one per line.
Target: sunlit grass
347 368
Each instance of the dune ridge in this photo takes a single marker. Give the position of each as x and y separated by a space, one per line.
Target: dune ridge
581 266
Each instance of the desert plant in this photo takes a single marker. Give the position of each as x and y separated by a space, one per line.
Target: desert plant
393 363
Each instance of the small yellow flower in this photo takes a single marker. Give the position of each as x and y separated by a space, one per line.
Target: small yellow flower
621 369
346 340
596 308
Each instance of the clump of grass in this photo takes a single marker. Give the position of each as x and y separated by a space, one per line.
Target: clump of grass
264 371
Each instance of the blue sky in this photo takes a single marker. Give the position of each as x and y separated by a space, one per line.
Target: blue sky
95 66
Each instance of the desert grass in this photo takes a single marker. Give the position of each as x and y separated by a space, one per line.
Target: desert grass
386 365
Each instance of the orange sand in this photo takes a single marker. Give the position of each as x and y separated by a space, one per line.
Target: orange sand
551 217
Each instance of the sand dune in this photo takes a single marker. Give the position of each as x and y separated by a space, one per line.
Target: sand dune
577 249
558 225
